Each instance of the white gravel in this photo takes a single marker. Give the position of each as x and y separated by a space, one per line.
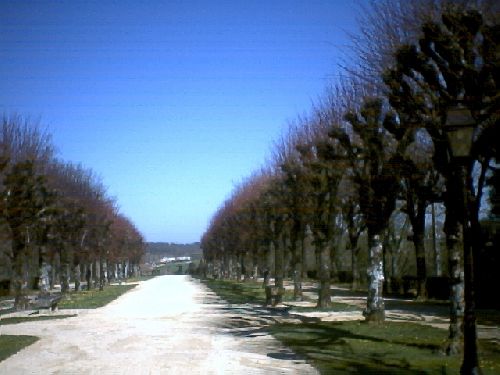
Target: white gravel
167 325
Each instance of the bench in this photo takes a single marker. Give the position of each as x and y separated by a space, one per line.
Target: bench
45 301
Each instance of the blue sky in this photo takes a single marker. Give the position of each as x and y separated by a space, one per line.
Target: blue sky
171 102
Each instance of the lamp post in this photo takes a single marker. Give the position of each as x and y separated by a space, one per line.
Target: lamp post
459 129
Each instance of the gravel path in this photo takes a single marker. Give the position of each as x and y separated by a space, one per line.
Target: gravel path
167 325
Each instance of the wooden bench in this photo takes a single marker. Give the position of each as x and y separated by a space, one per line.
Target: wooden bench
45 301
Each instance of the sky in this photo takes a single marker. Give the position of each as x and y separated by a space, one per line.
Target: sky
174 102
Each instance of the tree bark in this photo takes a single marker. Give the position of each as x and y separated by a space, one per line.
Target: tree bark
375 309
247 266
297 260
89 274
418 242
279 264
324 270
43 271
53 273
64 271
77 277
102 273
435 250
417 218
17 274
355 268
304 256
455 337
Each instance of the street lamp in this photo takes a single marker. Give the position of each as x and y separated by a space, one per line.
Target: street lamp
459 129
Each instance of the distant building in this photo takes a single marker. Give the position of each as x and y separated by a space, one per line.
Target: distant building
165 260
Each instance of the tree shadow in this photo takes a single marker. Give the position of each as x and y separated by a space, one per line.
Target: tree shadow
333 349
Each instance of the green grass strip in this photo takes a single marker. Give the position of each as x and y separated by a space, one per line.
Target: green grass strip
94 298
235 292
22 319
389 348
359 347
335 307
10 344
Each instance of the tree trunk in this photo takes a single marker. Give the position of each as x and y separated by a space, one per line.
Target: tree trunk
127 267
418 242
296 251
297 268
89 275
435 249
375 310
220 269
102 275
137 273
53 273
110 272
306 241
43 271
418 225
324 274
247 266
233 267
270 261
64 271
34 267
16 283
355 268
353 235
65 277
279 264
239 266
457 306
228 266
77 277
454 243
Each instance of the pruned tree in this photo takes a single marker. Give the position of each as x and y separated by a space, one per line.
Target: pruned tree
374 155
25 210
455 62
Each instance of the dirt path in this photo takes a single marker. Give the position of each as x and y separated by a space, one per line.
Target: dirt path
167 325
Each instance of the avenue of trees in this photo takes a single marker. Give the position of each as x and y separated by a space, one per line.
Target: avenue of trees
365 184
56 221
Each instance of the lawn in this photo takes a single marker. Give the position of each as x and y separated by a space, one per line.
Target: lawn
175 268
359 347
94 298
22 319
389 348
235 292
10 345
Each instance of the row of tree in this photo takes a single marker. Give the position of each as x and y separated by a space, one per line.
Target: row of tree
375 146
57 222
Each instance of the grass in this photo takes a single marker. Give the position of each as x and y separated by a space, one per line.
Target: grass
94 298
10 344
22 319
335 307
359 347
139 279
175 268
235 292
389 348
